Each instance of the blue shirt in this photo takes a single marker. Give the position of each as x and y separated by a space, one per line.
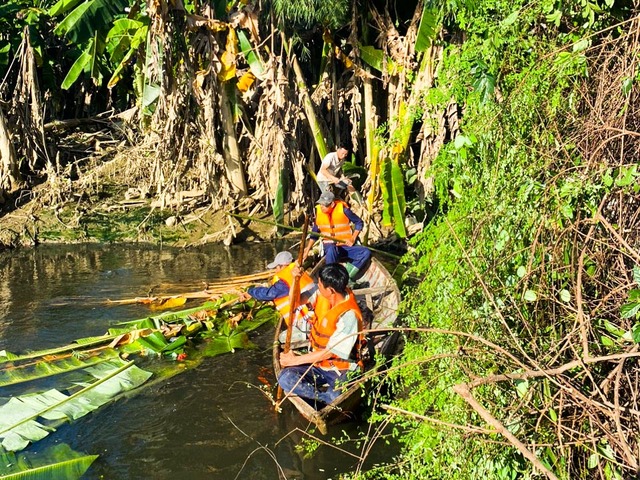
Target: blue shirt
266 294
358 224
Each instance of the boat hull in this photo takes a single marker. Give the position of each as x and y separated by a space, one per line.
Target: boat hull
379 303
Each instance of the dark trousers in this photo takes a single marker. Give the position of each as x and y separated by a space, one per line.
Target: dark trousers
358 256
312 383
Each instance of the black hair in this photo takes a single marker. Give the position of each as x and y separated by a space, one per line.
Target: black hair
344 145
334 276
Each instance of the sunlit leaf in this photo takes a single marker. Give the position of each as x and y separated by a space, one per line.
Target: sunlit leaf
522 386
62 7
19 416
429 27
48 368
56 462
530 296
392 186
371 56
629 310
511 19
253 59
88 17
78 67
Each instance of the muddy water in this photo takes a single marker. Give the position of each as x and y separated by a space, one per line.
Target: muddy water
213 422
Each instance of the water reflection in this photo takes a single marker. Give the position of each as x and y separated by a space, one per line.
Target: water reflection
211 422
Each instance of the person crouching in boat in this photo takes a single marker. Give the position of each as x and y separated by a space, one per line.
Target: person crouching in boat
335 341
334 219
278 292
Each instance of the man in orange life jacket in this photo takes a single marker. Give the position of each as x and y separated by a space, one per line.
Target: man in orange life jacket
334 219
335 343
279 288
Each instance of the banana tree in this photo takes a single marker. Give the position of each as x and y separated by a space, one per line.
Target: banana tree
9 172
395 63
86 25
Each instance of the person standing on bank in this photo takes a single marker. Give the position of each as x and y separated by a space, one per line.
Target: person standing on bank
330 172
334 219
280 286
335 341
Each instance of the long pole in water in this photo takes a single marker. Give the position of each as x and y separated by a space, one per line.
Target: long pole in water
294 297
296 229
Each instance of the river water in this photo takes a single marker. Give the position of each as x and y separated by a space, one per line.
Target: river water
212 422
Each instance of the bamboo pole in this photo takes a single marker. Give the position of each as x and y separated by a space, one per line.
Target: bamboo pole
294 299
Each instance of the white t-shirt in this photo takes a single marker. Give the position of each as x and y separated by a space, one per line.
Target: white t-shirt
342 341
331 162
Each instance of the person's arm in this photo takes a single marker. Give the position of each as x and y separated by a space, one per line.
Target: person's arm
290 359
266 294
358 224
311 241
326 173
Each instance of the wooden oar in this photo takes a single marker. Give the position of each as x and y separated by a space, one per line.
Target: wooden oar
294 298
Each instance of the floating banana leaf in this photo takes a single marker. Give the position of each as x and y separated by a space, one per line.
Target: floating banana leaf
59 461
19 423
227 344
84 343
47 368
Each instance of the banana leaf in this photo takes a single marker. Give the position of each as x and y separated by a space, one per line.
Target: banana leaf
429 27
125 39
58 461
371 56
43 368
253 59
62 7
154 343
76 345
88 17
19 423
278 201
392 186
78 66
227 344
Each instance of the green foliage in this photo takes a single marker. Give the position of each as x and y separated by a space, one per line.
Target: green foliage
506 185
430 24
392 186
58 461
331 14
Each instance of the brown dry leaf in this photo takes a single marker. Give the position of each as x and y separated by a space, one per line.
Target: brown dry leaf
194 21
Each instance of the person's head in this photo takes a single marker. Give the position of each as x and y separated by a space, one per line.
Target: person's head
282 259
327 201
333 278
342 152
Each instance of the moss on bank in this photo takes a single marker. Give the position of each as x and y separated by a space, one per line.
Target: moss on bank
109 217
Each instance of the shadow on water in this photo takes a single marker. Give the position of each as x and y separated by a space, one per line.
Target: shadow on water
210 422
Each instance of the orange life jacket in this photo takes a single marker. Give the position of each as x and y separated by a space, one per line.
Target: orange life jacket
325 325
282 303
335 223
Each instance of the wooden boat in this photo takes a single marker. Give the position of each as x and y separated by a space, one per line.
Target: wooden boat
379 303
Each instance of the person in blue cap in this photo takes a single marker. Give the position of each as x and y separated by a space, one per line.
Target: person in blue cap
335 219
